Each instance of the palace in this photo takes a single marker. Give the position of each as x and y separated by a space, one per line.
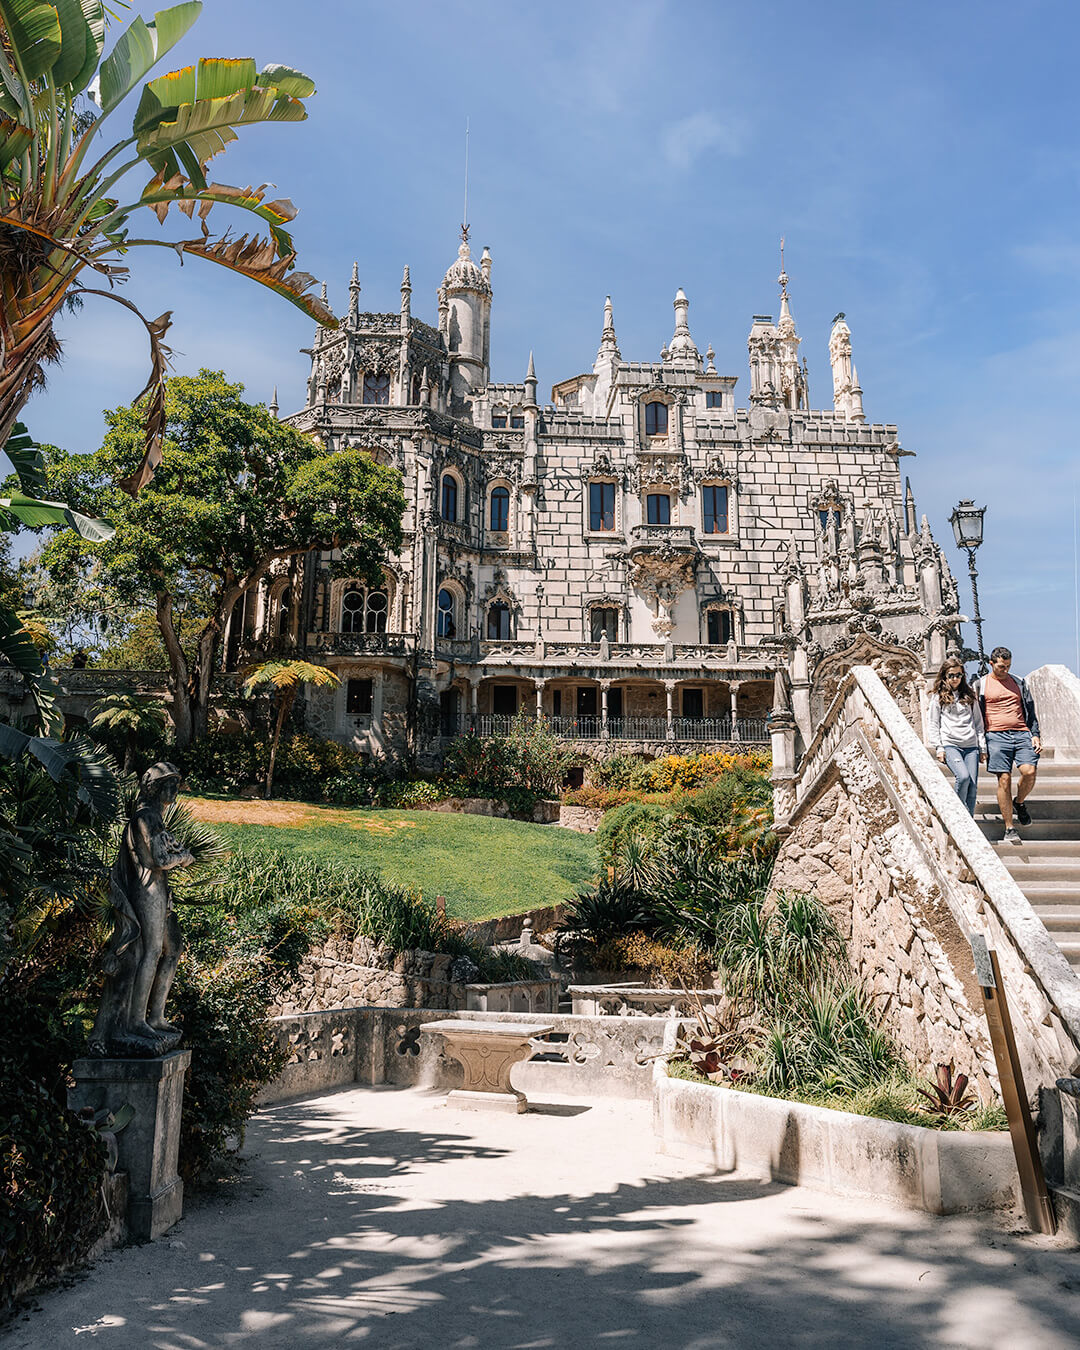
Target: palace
640 561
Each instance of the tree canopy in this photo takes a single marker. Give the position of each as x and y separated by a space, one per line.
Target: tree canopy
236 493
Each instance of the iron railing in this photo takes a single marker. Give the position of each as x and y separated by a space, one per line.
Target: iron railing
590 727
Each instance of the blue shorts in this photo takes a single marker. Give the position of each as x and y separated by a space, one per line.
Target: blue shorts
1006 748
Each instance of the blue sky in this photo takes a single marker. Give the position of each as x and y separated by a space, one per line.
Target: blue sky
921 160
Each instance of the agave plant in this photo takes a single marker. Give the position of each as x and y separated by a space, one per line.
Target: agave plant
67 194
948 1096
285 677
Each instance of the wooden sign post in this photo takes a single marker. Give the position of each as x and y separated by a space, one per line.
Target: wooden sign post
1037 1206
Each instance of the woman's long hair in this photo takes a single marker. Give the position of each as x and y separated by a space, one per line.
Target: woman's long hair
963 693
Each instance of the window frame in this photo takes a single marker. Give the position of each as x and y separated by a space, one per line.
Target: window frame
382 381
656 418
450 479
714 398
353 692
594 611
502 491
450 614
502 607
660 495
722 612
602 529
716 487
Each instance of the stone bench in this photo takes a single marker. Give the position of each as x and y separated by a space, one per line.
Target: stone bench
487 1051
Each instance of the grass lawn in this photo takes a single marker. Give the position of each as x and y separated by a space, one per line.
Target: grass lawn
484 867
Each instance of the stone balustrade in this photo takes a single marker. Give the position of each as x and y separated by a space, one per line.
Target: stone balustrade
873 828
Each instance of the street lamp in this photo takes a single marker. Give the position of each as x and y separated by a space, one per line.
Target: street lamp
967 524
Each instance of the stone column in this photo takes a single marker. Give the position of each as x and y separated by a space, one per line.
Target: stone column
539 699
669 691
782 729
605 685
734 687
150 1144
474 700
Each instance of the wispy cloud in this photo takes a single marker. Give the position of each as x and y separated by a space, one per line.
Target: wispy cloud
688 139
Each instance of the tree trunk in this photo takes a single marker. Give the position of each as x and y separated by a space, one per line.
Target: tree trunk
203 681
21 374
129 752
179 678
284 705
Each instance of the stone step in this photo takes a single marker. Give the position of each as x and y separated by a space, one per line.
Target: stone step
1044 787
1051 894
1038 832
1062 921
1045 850
1033 871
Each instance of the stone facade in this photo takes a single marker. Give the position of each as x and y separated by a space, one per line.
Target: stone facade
639 560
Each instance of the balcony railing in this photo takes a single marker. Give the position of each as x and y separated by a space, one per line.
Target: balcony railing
590 727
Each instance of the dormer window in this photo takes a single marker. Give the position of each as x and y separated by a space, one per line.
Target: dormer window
498 419
658 508
656 418
376 388
714 398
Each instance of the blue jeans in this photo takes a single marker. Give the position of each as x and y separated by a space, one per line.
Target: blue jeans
963 760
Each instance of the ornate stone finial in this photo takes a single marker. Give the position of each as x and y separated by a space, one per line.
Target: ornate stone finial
485 264
710 359
273 405
141 957
354 294
609 344
681 347
530 383
425 388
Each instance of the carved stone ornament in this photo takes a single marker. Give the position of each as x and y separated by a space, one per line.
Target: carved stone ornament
899 668
379 358
661 575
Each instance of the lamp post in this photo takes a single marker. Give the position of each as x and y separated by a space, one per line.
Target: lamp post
967 523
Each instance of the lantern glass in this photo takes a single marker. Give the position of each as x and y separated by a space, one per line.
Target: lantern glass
967 523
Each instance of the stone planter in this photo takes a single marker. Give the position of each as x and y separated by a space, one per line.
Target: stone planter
941 1171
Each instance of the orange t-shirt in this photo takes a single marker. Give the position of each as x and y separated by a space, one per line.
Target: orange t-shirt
1004 706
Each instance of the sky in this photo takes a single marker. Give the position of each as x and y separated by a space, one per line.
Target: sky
921 161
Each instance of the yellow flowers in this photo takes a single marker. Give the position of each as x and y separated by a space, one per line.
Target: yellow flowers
691 771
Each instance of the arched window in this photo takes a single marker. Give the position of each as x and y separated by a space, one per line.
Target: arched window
498 418
284 614
445 627
658 508
449 507
499 515
517 419
375 612
352 610
601 506
498 621
829 509
376 388
714 509
655 418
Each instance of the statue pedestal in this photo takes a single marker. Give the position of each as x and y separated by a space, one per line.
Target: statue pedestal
150 1143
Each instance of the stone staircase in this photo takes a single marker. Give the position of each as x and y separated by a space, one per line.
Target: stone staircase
1046 866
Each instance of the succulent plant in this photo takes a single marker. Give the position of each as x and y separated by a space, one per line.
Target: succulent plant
948 1096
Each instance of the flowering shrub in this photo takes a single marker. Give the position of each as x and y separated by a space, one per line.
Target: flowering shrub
531 759
692 771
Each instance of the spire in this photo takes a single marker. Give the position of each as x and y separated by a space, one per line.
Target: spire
681 347
910 516
530 383
609 344
782 281
320 331
710 358
406 299
792 385
273 407
485 264
425 388
354 294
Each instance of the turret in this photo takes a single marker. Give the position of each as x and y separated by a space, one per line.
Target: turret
467 291
681 349
764 349
847 394
530 384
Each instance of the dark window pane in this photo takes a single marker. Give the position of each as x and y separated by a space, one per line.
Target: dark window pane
358 698
444 619
715 510
284 611
831 510
601 506
603 623
655 419
449 705
586 701
376 612
498 420
693 703
504 700
658 508
500 509
517 421
352 611
449 497
719 626
376 388
498 624
714 398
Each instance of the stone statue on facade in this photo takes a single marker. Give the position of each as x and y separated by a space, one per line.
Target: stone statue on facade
141 956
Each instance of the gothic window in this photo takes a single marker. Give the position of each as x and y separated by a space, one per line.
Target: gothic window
375 612
656 416
352 610
517 419
358 698
714 509
827 510
449 509
499 515
601 506
719 627
445 627
376 388
714 398
658 508
603 622
284 614
498 621
498 418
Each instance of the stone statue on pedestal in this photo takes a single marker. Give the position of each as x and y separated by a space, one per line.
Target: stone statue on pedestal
141 957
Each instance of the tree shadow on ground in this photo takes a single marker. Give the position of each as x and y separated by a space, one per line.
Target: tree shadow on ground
347 1242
